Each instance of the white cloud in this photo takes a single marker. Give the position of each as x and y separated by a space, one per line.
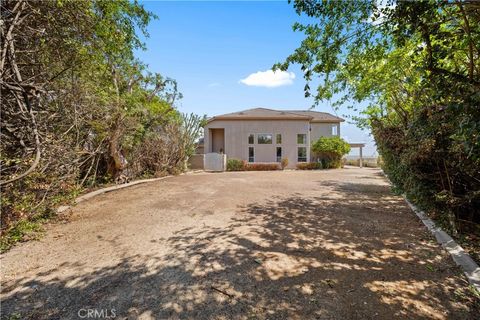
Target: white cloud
269 79
214 84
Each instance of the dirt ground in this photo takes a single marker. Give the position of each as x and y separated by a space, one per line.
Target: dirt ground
334 244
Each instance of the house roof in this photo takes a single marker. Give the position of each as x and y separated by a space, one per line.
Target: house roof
318 116
270 114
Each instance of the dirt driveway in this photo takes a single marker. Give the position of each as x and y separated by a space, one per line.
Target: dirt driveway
263 245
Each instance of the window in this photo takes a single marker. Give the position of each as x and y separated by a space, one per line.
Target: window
334 130
264 139
302 154
251 154
301 139
279 138
279 154
251 139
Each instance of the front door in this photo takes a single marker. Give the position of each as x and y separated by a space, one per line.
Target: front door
218 140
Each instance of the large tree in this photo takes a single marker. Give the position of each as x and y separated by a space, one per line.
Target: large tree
417 65
77 107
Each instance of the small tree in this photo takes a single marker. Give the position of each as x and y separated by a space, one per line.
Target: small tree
330 150
192 126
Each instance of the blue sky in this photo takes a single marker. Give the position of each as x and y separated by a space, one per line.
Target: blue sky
208 47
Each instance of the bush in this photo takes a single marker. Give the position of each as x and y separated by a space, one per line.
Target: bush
242 165
284 163
235 165
435 161
81 134
331 163
262 166
310 166
330 150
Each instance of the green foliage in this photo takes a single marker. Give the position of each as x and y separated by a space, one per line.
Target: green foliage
331 163
235 165
329 151
25 209
416 65
261 166
309 166
19 232
432 165
242 165
331 147
97 112
192 126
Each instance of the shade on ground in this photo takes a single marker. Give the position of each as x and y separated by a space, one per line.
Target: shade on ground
333 244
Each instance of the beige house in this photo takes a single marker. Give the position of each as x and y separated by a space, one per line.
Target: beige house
266 135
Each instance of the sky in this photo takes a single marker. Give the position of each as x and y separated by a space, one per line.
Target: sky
221 54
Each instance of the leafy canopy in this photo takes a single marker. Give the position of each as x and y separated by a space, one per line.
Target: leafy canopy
335 146
416 65
391 54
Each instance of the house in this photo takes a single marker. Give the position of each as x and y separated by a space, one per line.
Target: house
266 135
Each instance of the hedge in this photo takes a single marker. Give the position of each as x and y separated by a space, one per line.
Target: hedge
262 166
309 166
235 165
242 165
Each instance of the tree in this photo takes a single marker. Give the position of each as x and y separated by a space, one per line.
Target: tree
416 64
330 150
48 47
192 127
78 109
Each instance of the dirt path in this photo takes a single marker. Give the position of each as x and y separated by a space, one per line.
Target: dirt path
265 245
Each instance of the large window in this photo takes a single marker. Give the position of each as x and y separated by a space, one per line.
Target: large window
301 138
302 154
251 138
334 130
251 154
264 138
279 138
279 154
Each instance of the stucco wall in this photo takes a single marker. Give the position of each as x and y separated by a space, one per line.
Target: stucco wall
236 138
323 130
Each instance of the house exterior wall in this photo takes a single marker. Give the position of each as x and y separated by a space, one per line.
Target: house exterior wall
322 129
236 134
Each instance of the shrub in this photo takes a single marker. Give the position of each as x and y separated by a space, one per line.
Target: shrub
74 137
262 166
235 165
330 150
331 163
309 166
435 161
284 163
